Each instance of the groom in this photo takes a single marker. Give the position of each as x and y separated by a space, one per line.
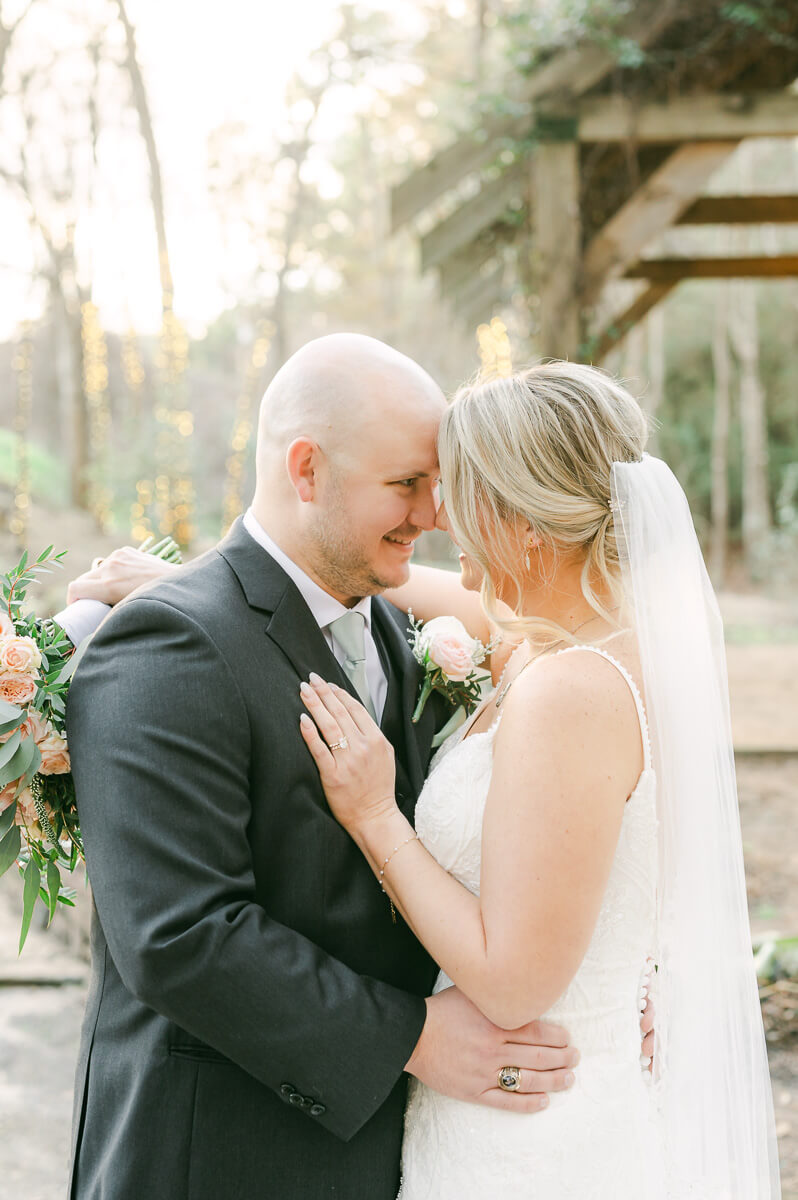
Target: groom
253 1008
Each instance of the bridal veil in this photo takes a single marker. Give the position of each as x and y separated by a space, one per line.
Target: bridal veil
711 1070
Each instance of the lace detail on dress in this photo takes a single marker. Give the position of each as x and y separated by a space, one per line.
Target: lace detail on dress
599 1140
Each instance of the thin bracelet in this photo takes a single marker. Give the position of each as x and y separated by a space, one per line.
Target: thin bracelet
413 838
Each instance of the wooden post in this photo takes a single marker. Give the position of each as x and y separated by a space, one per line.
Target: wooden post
557 247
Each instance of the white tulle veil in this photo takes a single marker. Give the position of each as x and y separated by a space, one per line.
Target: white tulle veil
711 1071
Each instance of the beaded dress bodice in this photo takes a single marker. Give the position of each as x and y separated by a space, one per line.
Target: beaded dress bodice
599 1139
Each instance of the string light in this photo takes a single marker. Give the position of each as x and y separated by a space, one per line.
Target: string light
95 386
494 348
243 425
132 365
173 492
22 364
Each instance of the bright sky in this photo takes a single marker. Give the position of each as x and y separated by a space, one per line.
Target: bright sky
205 62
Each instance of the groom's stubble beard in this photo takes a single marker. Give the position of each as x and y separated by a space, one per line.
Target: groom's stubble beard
334 553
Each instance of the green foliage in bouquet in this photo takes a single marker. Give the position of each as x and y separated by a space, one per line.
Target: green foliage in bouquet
39 827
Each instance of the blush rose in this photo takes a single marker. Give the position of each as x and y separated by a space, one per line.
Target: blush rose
449 647
20 654
16 688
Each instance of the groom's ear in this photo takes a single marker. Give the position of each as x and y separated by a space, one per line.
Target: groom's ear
302 461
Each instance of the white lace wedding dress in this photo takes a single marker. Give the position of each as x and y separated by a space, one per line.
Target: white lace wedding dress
599 1140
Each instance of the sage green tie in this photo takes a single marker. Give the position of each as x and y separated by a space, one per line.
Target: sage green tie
349 631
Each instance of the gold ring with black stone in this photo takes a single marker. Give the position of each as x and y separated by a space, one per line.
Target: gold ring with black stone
510 1079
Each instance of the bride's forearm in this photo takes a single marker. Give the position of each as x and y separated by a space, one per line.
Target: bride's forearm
443 915
432 592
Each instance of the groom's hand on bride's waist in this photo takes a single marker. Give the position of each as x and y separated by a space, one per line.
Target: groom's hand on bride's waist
460 1054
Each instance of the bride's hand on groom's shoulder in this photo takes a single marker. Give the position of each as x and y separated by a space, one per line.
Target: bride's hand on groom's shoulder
111 579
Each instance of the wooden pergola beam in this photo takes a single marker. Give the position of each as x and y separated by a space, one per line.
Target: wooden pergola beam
741 210
567 74
712 117
617 329
461 266
673 270
651 209
471 218
557 245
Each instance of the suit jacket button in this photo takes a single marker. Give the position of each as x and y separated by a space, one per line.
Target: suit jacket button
295 1098
286 1089
317 1110
308 1102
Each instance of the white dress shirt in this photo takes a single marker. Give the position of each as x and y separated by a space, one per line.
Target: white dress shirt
325 609
81 618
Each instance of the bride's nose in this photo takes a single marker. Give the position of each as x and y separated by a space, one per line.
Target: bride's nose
441 520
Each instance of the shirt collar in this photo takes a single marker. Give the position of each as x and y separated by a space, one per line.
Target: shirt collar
324 607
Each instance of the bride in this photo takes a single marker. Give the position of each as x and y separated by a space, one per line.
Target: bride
582 822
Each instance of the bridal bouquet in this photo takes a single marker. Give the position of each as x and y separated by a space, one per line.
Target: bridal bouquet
450 658
39 828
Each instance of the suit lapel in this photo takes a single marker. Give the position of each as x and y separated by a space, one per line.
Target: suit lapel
291 626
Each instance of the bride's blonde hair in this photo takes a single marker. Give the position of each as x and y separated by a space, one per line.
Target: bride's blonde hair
538 446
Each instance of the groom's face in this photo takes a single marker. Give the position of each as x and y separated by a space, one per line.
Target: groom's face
373 505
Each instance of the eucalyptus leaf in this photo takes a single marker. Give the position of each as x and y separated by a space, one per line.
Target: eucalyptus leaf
30 892
53 887
9 712
9 847
9 748
7 818
19 763
33 766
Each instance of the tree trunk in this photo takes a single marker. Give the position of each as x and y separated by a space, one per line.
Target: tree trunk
156 188
719 461
655 395
753 427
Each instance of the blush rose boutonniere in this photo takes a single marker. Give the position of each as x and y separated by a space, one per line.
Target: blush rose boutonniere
450 658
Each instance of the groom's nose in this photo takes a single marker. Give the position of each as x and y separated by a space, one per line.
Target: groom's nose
424 509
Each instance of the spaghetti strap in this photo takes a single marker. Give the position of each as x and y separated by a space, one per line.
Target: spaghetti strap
633 688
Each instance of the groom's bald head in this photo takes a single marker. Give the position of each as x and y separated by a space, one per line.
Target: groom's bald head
347 463
333 391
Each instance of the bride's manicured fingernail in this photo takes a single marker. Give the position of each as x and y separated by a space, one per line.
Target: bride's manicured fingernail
569 1079
544 1102
305 689
315 679
305 719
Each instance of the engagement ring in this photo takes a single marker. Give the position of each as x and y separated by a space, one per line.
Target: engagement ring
342 745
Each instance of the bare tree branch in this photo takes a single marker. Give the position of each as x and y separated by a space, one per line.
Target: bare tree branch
156 187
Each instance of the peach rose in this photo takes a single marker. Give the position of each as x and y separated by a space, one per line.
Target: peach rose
17 689
55 756
35 726
6 624
26 812
20 654
449 647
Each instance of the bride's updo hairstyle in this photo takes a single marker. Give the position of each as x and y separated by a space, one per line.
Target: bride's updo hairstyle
538 447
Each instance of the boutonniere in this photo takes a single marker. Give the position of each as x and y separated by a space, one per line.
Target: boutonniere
450 658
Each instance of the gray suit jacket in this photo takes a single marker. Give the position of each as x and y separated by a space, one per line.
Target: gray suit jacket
252 1005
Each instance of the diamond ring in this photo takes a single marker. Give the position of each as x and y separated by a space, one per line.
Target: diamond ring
342 745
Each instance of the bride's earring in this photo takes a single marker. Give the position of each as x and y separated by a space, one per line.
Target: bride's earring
526 556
